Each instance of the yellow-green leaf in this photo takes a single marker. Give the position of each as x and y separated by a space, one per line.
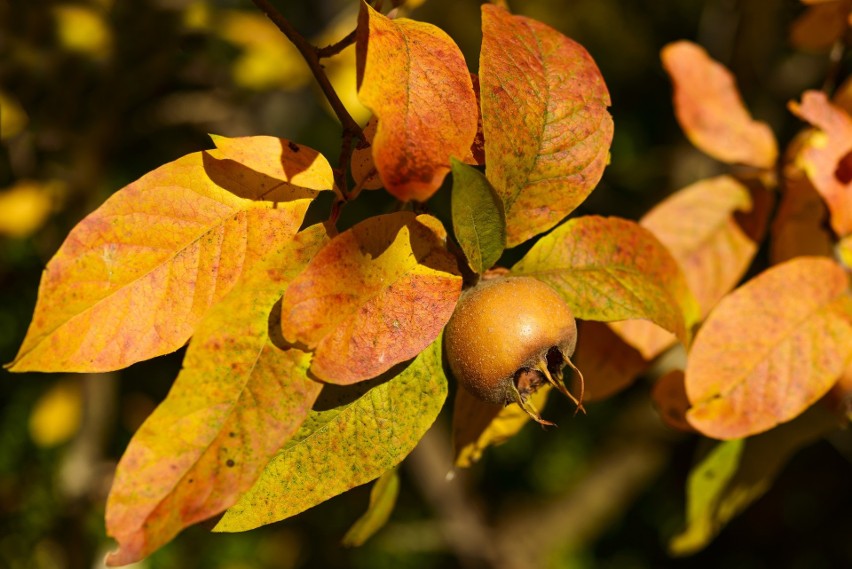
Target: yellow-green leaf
414 78
478 425
375 296
735 473
236 401
353 435
545 120
478 219
610 269
770 349
382 501
135 277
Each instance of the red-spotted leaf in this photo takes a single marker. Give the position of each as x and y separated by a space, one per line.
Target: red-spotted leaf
770 349
826 155
710 111
135 277
610 269
414 79
545 120
238 398
354 435
375 296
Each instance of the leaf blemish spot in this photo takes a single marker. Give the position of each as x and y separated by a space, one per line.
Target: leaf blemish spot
229 463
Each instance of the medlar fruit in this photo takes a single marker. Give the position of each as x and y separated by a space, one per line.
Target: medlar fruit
507 337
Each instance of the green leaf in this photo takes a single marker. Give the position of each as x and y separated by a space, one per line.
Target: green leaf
737 472
382 501
478 219
610 269
353 435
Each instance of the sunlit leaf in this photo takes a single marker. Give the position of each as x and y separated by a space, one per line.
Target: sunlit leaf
135 277
415 80
478 425
57 414
669 395
770 349
545 120
83 29
478 219
266 60
354 435
236 401
610 269
609 364
26 206
735 473
825 155
382 501
710 111
375 296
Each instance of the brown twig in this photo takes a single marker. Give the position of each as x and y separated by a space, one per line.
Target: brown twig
337 47
311 55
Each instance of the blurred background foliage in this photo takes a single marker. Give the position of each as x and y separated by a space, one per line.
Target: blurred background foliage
94 93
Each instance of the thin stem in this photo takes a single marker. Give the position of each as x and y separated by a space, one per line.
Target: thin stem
311 55
337 47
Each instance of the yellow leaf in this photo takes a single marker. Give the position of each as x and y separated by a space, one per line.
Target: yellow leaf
83 30
57 414
26 206
13 117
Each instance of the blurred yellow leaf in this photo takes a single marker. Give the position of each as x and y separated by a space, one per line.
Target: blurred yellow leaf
13 117
268 59
382 501
56 415
25 207
197 15
340 68
82 29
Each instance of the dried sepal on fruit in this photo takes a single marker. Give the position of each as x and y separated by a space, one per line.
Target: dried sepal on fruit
507 337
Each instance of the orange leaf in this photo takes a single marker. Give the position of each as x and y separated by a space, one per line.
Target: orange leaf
770 349
710 111
415 80
238 398
135 277
825 155
375 296
697 226
545 120
363 168
609 364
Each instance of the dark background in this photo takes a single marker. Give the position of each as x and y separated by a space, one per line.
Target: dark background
95 94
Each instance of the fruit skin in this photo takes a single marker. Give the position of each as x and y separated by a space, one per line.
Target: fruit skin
504 327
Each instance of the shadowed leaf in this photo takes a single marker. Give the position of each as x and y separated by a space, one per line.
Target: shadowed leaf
382 501
375 296
363 168
770 349
414 79
545 120
821 25
135 277
735 473
237 399
669 395
611 269
710 111
824 154
354 435
478 425
609 364
478 220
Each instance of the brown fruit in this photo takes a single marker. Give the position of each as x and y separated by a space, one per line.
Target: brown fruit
507 337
